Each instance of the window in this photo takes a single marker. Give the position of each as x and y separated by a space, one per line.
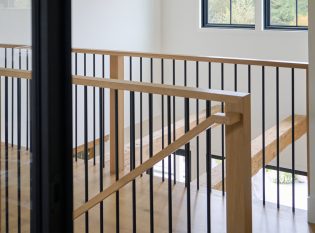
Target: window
17 4
286 14
229 13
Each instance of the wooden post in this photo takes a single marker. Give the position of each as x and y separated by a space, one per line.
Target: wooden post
116 72
238 170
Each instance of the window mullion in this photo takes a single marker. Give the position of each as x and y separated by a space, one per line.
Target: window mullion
230 11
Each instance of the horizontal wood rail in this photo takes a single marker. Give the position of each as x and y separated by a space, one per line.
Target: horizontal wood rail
159 89
227 60
220 118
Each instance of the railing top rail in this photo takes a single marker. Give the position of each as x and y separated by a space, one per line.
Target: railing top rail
227 60
160 89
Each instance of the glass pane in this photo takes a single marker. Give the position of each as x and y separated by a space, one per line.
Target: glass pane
243 11
283 12
302 13
219 11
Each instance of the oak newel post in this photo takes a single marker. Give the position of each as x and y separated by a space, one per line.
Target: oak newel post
238 169
116 72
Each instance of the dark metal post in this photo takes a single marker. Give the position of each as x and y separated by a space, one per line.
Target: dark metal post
51 118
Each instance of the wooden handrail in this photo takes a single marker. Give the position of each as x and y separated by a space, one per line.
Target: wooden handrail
227 119
227 60
160 89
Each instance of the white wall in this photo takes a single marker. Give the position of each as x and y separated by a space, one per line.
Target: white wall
15 25
311 200
116 24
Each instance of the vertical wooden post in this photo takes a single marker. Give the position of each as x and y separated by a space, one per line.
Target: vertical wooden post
116 72
238 170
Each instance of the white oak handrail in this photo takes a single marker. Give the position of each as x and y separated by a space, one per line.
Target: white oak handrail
160 89
227 60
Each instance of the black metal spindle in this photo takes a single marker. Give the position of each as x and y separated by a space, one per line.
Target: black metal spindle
162 115
263 136
208 159
235 77
103 118
117 161
94 125
27 101
174 121
86 151
278 137
101 148
293 138
187 165
151 152
6 125
19 147
76 107
133 152
249 71
12 99
197 122
222 133
169 140
141 116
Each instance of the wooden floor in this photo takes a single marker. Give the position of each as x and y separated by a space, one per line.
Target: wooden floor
265 219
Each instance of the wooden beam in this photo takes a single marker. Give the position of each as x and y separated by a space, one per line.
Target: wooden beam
116 73
270 148
238 170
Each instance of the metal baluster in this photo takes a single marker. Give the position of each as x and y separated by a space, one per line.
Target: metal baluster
133 152
235 77
278 138
94 136
12 99
293 141
27 101
141 129
101 123
222 134
6 126
76 107
249 70
263 136
86 152
151 152
117 161
174 121
162 114
187 153
103 118
197 122
187 165
19 146
169 137
208 159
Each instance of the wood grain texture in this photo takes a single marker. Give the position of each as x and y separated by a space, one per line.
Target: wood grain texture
238 170
116 73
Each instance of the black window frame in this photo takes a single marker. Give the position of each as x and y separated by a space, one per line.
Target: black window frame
206 24
267 21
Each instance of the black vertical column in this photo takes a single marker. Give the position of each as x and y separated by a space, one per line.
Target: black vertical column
51 118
